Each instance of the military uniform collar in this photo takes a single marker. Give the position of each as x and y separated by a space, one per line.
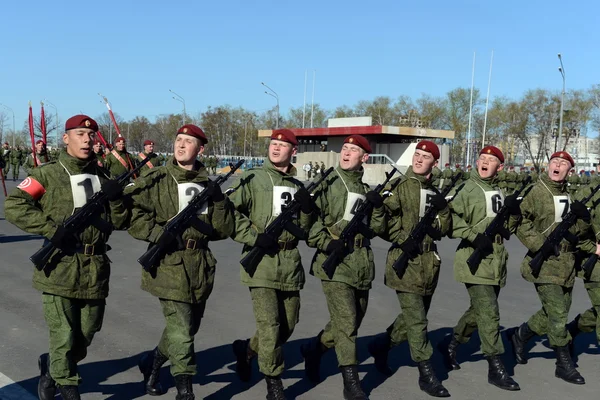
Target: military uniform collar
491 181
74 164
561 186
353 175
198 174
421 178
268 165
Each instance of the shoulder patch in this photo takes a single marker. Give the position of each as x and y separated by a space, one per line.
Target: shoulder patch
32 187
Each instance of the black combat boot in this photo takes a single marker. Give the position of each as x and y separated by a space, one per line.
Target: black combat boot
448 347
69 392
183 383
149 365
429 383
274 388
46 385
312 351
352 389
379 349
565 368
573 328
519 339
498 376
244 355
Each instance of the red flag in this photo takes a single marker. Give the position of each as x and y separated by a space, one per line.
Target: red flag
43 123
32 134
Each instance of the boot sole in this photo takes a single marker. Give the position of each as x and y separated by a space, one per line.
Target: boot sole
510 389
572 382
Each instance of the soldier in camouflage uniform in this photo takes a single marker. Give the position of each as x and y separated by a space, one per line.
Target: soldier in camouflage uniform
512 179
436 177
74 284
6 150
155 159
260 196
184 278
310 171
572 182
458 171
594 179
446 176
589 321
543 208
99 152
41 157
467 173
584 180
119 161
16 160
347 293
405 205
473 208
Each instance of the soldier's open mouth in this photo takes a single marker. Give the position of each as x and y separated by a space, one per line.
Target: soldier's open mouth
555 172
484 168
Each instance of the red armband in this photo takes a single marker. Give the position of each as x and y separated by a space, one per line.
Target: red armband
33 187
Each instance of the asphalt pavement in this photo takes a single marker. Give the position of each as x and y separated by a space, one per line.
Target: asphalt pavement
133 324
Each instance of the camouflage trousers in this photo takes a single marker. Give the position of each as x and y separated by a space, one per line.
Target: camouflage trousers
588 320
276 313
6 170
552 318
484 315
177 340
15 170
347 307
411 325
72 324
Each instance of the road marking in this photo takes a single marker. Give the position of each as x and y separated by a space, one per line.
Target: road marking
9 390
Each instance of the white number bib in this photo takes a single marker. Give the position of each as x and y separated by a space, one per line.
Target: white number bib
282 197
494 200
352 203
561 207
425 202
186 192
83 187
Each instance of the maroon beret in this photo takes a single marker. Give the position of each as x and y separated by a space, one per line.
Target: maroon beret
194 131
447 164
119 139
360 141
6 143
430 147
564 155
494 151
533 168
81 121
582 171
39 141
148 142
457 165
285 135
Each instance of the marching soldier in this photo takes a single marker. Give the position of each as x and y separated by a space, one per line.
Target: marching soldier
458 171
99 152
6 157
572 182
584 180
467 173
436 177
511 180
347 293
446 176
41 157
473 208
534 175
405 206
74 284
323 167
184 278
310 170
543 208
155 159
16 160
118 161
259 196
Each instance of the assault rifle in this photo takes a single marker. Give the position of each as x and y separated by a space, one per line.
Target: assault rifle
559 233
354 227
495 227
274 229
420 230
82 218
180 222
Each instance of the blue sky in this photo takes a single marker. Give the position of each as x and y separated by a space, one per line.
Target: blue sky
215 53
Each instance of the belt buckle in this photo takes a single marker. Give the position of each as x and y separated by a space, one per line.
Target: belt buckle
282 244
88 250
564 248
358 242
190 244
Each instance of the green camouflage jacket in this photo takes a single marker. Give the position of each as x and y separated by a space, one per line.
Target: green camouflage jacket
594 206
336 198
473 208
258 197
158 195
155 159
29 165
43 201
405 206
114 166
543 208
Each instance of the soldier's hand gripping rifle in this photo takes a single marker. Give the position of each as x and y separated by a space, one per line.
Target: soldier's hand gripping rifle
354 227
556 236
180 222
86 215
420 230
495 227
282 222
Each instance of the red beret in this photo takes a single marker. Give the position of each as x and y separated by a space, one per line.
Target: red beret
359 141
6 143
533 168
493 150
148 142
97 140
194 131
469 166
457 165
81 121
285 135
564 155
430 147
40 141
119 139
582 171
447 165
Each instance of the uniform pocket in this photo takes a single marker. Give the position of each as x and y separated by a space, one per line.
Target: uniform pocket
51 311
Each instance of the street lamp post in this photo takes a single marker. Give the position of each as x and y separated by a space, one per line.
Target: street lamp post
273 94
56 116
561 69
181 100
14 130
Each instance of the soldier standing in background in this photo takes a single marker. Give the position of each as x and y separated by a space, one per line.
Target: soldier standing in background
6 150
155 159
118 161
16 160
446 176
572 182
41 157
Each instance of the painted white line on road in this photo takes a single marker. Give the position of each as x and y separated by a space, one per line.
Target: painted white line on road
9 390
